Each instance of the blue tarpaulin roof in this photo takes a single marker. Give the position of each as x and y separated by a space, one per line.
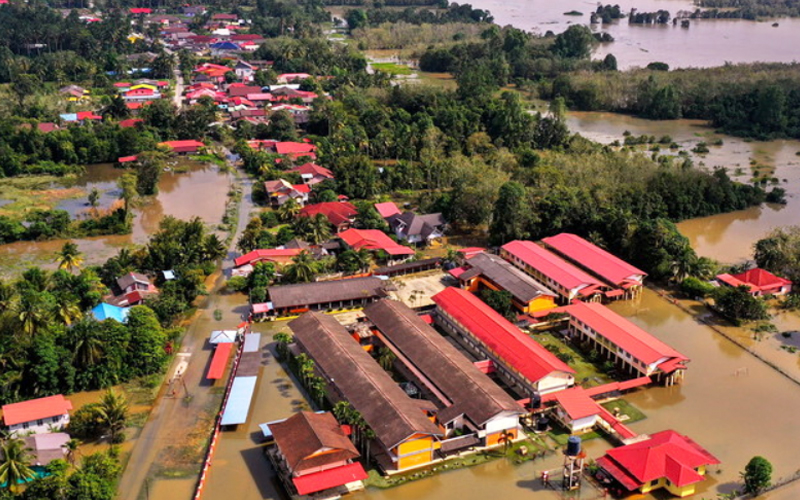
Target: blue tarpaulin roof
238 405
224 46
104 311
252 342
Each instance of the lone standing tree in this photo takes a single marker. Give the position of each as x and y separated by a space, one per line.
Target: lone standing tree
757 475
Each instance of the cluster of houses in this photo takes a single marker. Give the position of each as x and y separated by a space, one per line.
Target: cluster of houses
475 386
141 92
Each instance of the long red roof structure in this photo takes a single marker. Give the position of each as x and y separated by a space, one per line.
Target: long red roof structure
593 258
266 254
624 334
331 478
373 239
337 212
549 264
521 352
219 361
666 454
35 409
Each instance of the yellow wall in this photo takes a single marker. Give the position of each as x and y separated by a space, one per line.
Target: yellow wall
414 444
494 439
417 451
540 304
537 304
675 490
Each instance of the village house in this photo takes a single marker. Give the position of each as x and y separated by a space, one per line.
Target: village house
626 279
489 272
141 93
376 241
245 71
635 352
416 228
758 281
280 257
74 93
340 214
666 460
314 456
405 437
280 191
46 448
471 409
193 10
134 288
300 113
37 416
521 362
183 147
313 173
286 300
548 268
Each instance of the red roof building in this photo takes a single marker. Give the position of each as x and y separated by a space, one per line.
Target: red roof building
140 10
550 269
374 239
296 149
665 460
88 115
635 351
37 416
131 122
127 159
312 173
597 261
387 209
279 256
341 214
188 146
521 361
46 127
758 281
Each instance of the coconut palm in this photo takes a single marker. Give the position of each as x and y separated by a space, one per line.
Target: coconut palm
302 269
364 259
319 229
68 310
31 312
15 461
506 438
112 415
71 447
386 358
683 263
288 210
88 349
213 248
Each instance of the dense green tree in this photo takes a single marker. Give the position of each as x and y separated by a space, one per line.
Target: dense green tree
576 42
302 269
757 475
147 340
112 415
149 165
738 305
512 214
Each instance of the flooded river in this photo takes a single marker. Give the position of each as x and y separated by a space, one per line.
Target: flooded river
710 42
198 190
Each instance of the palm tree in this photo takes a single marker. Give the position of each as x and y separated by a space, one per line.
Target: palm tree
15 462
506 437
319 229
31 312
282 347
302 269
386 358
288 210
71 448
364 259
112 415
68 311
683 264
213 248
88 349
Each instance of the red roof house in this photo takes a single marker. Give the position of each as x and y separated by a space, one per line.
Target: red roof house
140 10
131 122
387 209
667 459
279 256
569 281
312 173
47 127
339 213
759 281
597 261
88 115
296 149
188 146
374 239
529 366
37 415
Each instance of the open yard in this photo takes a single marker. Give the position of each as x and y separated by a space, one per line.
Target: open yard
416 290
587 373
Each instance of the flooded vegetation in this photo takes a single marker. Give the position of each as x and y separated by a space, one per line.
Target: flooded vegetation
191 189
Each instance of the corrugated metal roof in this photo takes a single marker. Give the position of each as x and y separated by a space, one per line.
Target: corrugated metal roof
238 405
252 342
592 257
219 361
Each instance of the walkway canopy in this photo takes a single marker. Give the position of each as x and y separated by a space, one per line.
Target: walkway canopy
220 360
238 405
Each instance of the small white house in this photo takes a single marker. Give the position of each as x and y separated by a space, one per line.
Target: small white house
37 416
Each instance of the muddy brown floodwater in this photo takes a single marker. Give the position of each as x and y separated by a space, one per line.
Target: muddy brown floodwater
728 238
200 191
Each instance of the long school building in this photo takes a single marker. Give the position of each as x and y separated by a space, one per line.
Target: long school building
632 349
520 361
471 409
404 433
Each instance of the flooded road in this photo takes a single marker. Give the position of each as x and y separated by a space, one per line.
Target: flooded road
710 42
200 191
728 238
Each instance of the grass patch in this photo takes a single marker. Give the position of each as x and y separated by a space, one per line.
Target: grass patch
392 68
625 408
561 435
35 192
587 373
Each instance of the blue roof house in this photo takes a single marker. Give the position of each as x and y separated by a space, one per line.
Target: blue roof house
105 311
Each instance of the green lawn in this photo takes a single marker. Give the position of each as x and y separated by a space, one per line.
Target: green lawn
392 68
634 414
587 374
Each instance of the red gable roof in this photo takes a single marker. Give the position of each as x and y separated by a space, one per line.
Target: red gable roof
140 10
182 145
46 127
286 148
88 115
331 478
281 254
549 264
622 333
337 212
127 159
219 361
373 239
35 409
521 352
592 257
666 454
760 279
313 169
387 209
131 122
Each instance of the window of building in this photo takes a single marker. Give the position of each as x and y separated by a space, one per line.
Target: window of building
25 425
40 422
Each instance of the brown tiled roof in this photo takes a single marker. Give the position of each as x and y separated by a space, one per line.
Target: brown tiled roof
389 412
509 278
310 294
309 440
469 390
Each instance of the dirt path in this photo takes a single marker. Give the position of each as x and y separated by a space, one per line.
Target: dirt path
172 441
